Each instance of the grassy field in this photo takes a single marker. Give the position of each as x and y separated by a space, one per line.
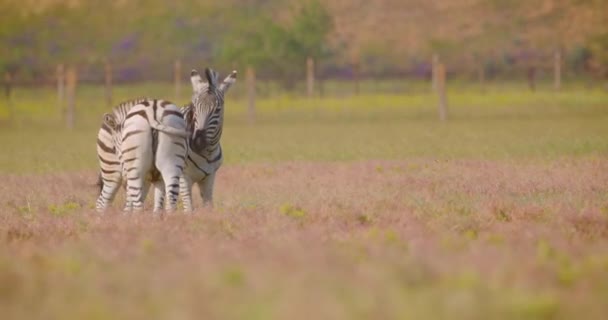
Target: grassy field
349 207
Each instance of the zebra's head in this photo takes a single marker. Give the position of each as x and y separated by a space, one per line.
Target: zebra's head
206 117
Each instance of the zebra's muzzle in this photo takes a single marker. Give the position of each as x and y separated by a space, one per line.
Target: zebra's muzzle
199 142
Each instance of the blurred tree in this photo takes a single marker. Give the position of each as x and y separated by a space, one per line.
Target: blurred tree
599 54
16 38
281 49
578 58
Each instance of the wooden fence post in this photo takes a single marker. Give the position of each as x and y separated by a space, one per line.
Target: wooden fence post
70 82
441 92
434 64
107 67
8 92
310 77
177 78
532 77
60 77
557 70
8 85
482 77
321 81
356 73
250 83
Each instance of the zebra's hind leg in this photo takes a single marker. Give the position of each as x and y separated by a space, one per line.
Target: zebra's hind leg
137 189
206 189
159 196
172 192
109 188
185 190
170 161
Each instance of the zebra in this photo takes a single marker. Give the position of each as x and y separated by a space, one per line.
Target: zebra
204 118
108 147
134 144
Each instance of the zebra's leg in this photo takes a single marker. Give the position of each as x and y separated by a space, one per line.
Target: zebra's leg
206 189
159 196
171 192
144 192
185 189
110 187
170 172
170 161
137 188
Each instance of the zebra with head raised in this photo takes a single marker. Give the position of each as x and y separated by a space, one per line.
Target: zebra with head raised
142 141
205 119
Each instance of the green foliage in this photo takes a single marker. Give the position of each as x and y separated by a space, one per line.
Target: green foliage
144 37
364 219
495 125
66 208
292 211
13 37
599 52
280 49
233 276
578 58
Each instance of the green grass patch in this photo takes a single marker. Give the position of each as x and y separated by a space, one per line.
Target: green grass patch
504 123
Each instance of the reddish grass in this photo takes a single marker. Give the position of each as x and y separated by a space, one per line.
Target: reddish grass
408 239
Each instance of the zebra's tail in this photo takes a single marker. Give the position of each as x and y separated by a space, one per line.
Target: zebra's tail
168 129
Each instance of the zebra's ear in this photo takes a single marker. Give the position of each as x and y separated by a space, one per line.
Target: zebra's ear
228 82
110 120
211 77
197 81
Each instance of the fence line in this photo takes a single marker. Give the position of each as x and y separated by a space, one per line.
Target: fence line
434 64
250 84
60 78
8 90
310 77
66 80
177 78
441 91
557 70
71 82
107 67
356 73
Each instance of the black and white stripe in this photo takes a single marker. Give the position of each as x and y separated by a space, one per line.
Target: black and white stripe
204 118
110 174
143 141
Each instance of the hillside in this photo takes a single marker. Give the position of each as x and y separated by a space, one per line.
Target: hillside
414 26
382 33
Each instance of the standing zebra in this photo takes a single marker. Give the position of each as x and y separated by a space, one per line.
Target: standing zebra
204 118
142 140
108 149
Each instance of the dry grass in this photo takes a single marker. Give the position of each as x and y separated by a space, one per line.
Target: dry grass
501 213
465 239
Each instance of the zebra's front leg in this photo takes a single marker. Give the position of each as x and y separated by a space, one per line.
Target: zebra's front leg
159 196
206 189
185 190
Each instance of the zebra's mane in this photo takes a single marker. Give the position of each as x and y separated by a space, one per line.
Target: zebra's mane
185 108
120 111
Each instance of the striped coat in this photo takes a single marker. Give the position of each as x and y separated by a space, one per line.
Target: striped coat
204 118
147 138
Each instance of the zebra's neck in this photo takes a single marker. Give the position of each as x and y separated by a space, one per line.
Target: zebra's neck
210 156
